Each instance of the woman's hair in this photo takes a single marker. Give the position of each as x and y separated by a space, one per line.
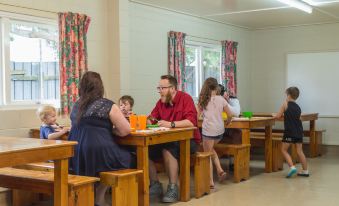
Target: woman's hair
91 88
44 111
210 85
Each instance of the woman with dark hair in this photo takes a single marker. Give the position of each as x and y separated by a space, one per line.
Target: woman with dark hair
96 121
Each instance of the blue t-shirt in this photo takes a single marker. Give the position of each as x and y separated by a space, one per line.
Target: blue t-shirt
45 130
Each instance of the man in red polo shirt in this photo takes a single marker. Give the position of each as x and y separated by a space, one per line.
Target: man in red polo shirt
174 109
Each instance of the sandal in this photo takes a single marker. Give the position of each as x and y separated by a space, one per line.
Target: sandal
212 187
222 176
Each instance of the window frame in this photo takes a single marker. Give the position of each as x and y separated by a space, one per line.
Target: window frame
202 46
5 64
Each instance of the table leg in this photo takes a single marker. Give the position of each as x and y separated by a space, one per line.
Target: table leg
61 182
268 149
313 142
143 164
185 170
245 136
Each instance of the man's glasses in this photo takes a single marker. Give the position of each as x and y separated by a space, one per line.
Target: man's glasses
162 88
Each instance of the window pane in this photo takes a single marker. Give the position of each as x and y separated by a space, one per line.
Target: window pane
34 61
211 63
191 71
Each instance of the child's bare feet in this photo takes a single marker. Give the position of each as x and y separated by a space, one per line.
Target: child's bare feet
222 176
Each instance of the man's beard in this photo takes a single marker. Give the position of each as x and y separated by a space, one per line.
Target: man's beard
168 98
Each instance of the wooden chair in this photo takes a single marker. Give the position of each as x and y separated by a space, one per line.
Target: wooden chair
241 153
124 185
81 188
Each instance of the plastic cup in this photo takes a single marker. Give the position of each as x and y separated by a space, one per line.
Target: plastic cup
142 119
224 115
133 121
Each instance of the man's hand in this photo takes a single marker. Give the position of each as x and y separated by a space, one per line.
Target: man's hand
163 123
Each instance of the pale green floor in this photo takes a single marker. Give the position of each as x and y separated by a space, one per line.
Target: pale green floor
266 189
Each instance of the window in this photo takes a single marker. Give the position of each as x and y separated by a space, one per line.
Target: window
202 61
29 67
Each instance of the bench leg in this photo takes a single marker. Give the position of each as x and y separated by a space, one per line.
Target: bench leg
83 196
202 176
315 144
277 159
24 198
125 191
242 164
319 142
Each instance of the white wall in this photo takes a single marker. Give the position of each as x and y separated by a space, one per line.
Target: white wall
147 48
17 122
268 66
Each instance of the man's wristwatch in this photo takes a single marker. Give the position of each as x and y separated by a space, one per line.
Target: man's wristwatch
173 124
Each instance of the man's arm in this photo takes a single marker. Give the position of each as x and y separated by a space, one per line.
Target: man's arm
182 123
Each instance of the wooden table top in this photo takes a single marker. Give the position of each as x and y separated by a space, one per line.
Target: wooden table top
253 119
245 122
151 132
13 144
15 150
303 117
157 137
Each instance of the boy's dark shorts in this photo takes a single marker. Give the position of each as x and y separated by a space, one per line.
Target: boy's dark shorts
155 151
292 140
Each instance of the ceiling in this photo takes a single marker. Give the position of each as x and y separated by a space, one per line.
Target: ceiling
252 14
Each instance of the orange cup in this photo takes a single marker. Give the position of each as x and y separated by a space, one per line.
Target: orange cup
141 122
133 121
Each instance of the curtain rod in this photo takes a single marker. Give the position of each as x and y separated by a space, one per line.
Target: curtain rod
24 7
203 38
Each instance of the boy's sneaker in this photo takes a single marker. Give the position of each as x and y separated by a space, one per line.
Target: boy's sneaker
155 189
171 194
292 172
304 173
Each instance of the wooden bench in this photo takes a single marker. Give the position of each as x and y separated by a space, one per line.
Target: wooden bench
314 144
81 188
124 184
277 157
202 173
241 154
316 151
38 166
200 162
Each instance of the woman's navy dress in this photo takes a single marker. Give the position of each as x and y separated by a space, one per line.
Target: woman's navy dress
96 150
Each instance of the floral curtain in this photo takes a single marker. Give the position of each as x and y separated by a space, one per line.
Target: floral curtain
73 56
229 66
176 57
